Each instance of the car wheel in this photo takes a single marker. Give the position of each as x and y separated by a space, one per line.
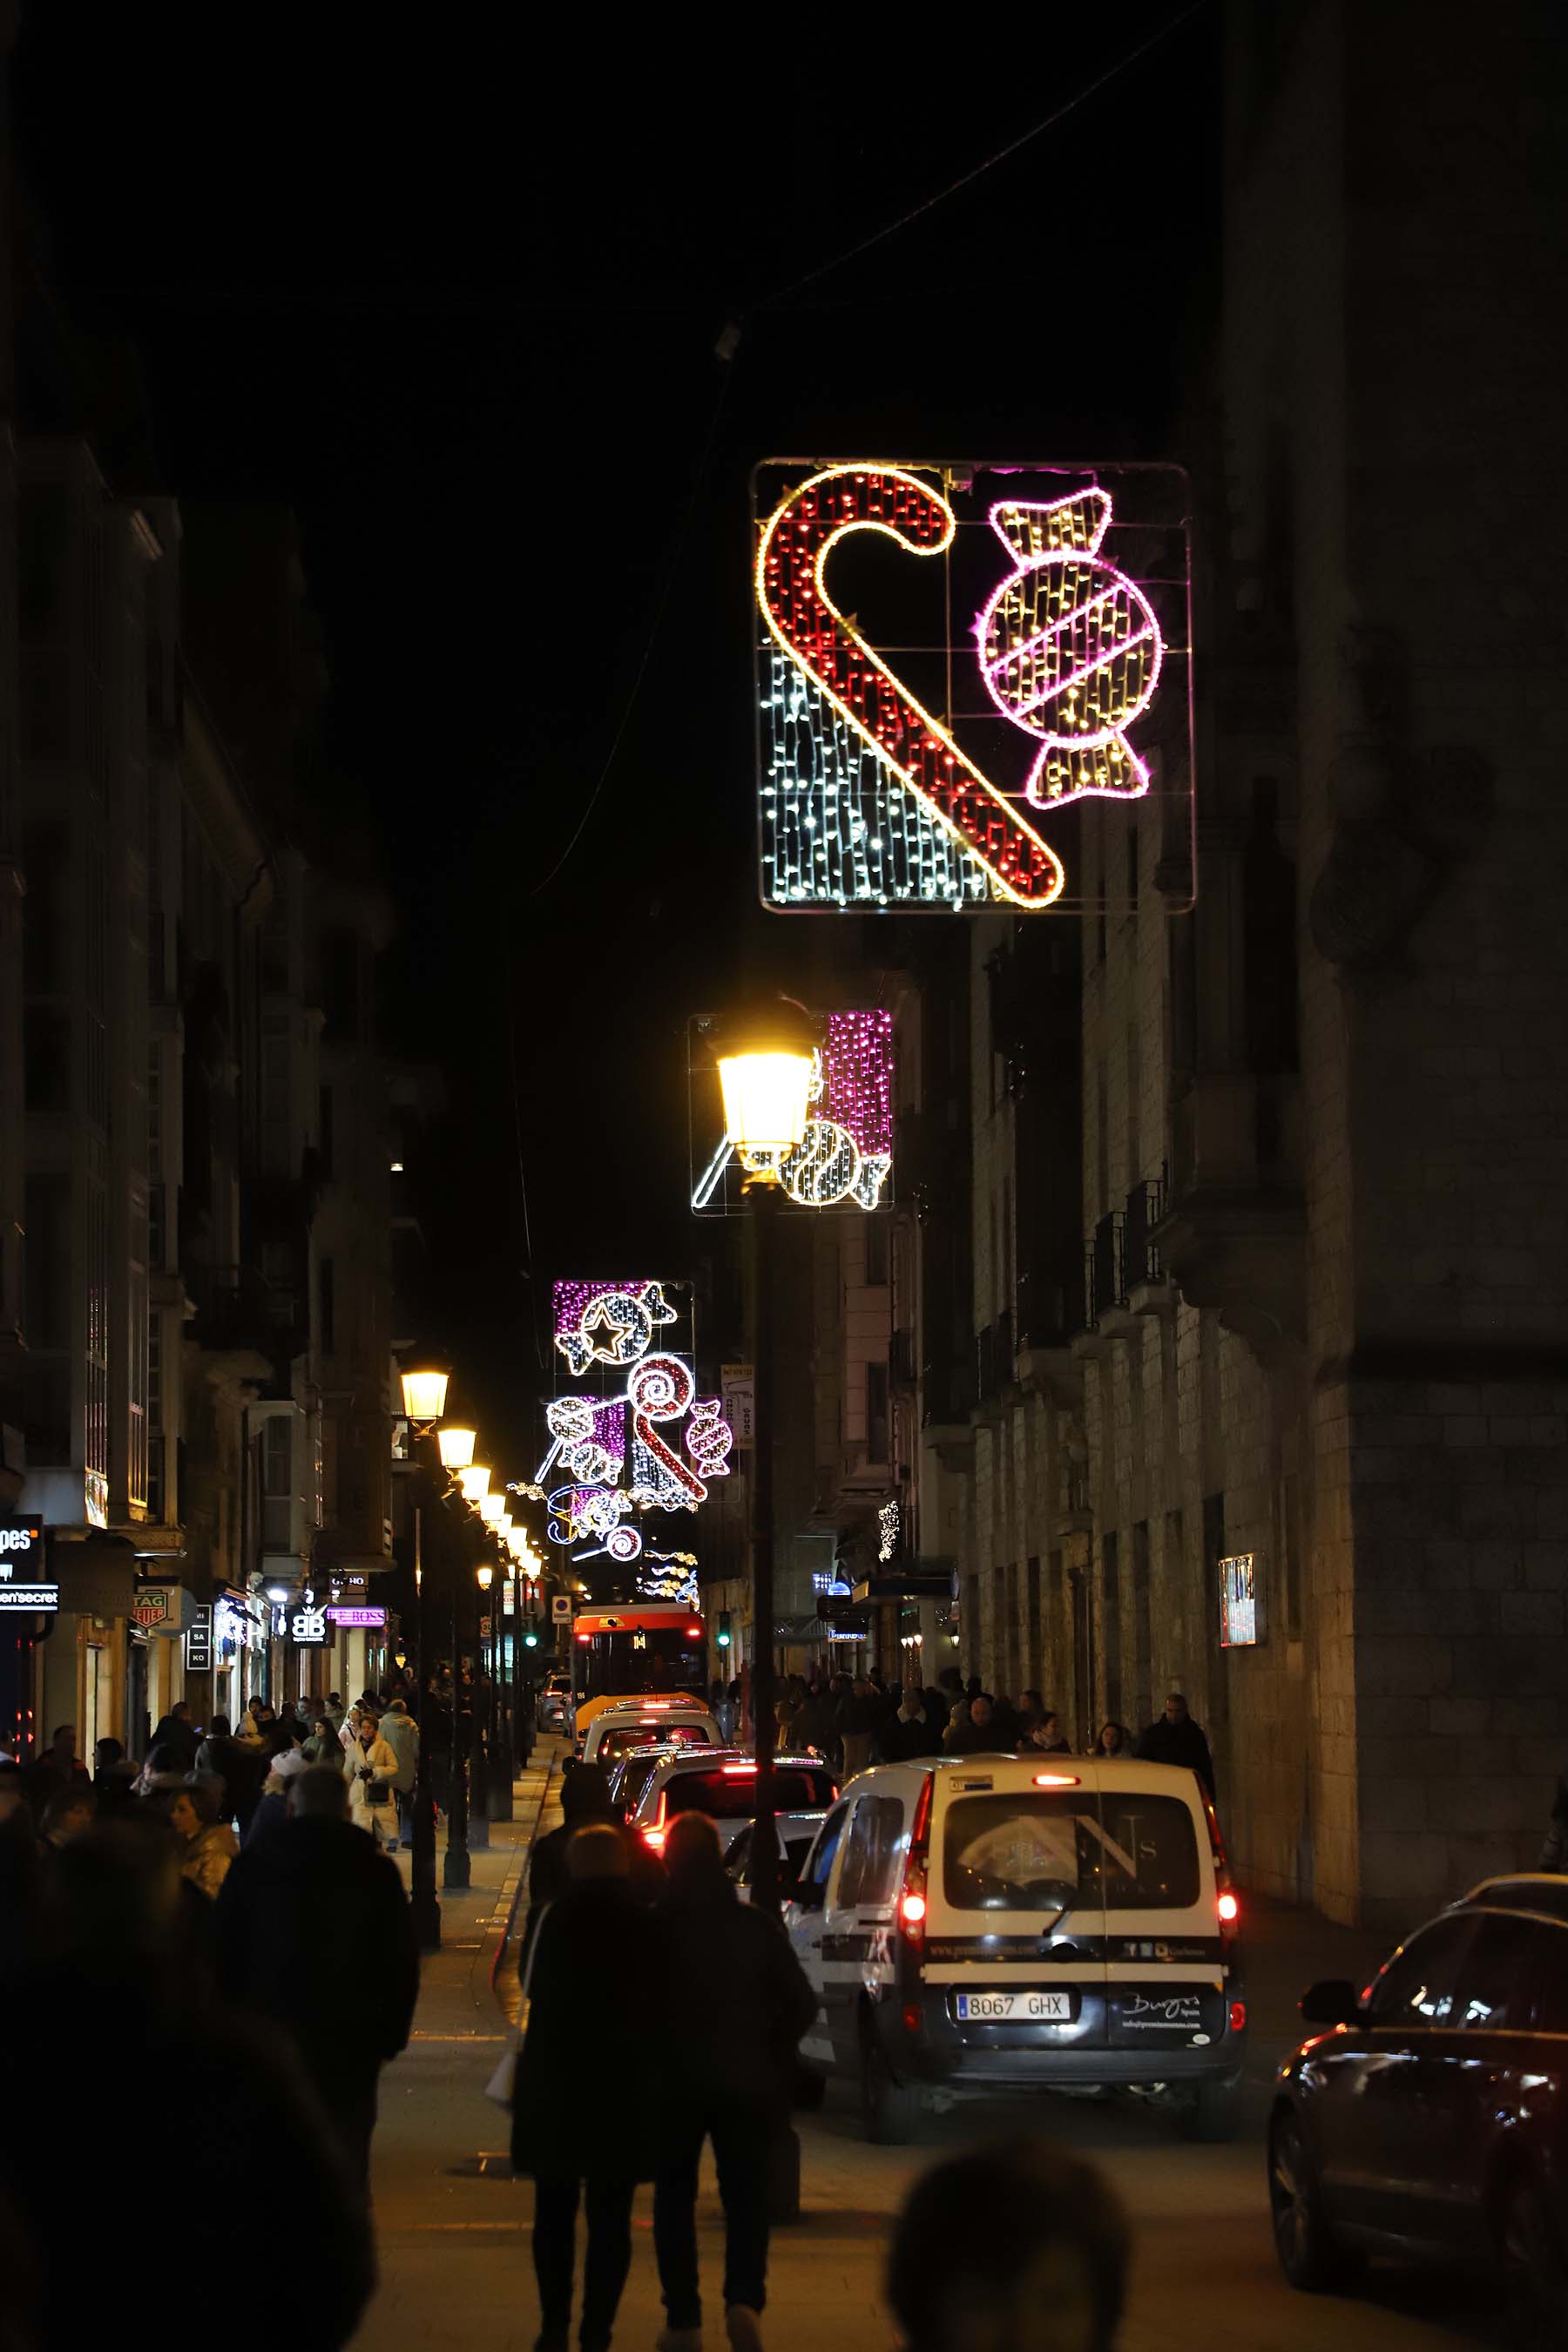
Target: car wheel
1212 2112
1535 2272
891 2109
1310 2256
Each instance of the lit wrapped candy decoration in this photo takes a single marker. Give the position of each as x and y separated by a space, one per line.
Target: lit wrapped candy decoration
1069 648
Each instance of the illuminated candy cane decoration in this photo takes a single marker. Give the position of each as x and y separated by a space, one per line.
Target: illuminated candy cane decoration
805 620
709 1437
660 1388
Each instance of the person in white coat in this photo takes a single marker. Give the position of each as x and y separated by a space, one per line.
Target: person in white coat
371 1764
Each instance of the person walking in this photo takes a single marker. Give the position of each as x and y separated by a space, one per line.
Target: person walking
586 2108
1112 1739
1175 1738
859 1718
58 1767
972 1732
208 1846
401 1734
910 1733
742 2000
1009 2244
1047 1736
176 1735
314 1931
371 1769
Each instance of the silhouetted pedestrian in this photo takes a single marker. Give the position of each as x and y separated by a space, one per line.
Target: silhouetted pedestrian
1175 1738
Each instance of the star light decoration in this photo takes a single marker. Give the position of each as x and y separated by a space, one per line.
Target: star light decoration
846 1151
866 798
617 1459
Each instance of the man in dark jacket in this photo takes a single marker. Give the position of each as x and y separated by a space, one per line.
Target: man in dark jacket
315 1932
738 2003
979 1734
910 1733
58 1767
586 2108
584 1802
1175 1739
177 1733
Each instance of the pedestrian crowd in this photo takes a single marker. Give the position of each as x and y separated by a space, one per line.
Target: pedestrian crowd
853 1721
216 1930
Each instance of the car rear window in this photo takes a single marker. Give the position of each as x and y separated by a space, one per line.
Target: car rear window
1019 1851
625 1737
725 1794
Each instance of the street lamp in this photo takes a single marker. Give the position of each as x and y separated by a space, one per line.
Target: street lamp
457 1446
424 1402
767 1058
474 1478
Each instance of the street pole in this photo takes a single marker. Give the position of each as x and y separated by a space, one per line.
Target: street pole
764 1861
455 1871
423 1901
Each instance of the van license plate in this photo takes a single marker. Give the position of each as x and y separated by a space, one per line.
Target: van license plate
1021 2008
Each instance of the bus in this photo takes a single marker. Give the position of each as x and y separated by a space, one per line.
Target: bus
629 1652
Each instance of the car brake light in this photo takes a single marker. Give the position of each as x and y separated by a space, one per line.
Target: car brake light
694 1632
912 1909
654 1838
1238 2017
912 2018
584 1637
912 1896
1228 1906
1056 1780
735 1772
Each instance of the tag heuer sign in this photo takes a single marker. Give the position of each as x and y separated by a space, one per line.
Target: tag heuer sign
154 1604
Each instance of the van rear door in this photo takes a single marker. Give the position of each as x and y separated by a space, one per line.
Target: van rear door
1016 1916
1165 1963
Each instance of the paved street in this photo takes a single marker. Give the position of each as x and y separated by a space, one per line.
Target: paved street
453 2226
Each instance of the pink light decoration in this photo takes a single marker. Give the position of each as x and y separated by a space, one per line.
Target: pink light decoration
1069 648
857 1078
572 1298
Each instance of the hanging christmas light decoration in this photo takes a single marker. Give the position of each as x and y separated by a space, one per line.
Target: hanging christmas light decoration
846 1151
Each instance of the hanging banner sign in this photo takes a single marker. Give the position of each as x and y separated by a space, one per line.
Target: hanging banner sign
1040 614
199 1641
342 1613
1238 1601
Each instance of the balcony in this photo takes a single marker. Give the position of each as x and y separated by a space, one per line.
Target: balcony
1050 1297
1232 1235
1149 1290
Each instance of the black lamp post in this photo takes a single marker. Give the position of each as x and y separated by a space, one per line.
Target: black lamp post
425 1401
765 1060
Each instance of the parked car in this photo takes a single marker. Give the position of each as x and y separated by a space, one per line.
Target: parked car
634 1723
795 1843
1039 1922
631 1776
552 1710
722 1783
1427 2117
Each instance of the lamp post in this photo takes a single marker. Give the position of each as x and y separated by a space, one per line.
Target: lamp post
766 1058
486 1578
424 1402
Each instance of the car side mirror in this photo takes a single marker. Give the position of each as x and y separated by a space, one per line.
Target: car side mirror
1331 2002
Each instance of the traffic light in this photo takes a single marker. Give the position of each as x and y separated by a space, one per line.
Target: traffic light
530 1639
723 1633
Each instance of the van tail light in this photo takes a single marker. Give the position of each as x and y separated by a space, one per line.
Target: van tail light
1238 2017
1228 1906
657 1830
912 1894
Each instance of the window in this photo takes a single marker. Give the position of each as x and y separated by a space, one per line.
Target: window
1495 1993
1416 1986
724 1795
1017 1850
1550 1966
878 1447
826 1847
871 1856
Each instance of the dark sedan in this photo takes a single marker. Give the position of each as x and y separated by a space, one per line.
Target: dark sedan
1430 2120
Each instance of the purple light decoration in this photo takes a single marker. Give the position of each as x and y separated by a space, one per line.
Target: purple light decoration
857 1078
572 1299
610 1432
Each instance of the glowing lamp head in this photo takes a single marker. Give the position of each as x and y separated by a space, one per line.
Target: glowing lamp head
425 1387
457 1446
767 1060
485 1577
492 1509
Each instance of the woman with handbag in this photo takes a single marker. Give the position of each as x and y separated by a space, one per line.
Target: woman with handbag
373 1768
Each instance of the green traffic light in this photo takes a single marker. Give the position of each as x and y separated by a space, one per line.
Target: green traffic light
724 1641
530 1641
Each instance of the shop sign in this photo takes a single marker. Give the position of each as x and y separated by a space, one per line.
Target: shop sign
21 1558
308 1627
343 1613
1238 1601
154 1605
739 1384
239 1626
199 1641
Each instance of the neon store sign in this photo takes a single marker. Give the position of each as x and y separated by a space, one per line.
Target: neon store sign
1078 581
644 1441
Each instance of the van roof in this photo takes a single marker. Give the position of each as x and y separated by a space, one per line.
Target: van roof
1091 1772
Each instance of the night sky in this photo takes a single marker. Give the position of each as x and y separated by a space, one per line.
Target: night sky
454 300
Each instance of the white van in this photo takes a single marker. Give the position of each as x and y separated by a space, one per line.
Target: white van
990 1923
